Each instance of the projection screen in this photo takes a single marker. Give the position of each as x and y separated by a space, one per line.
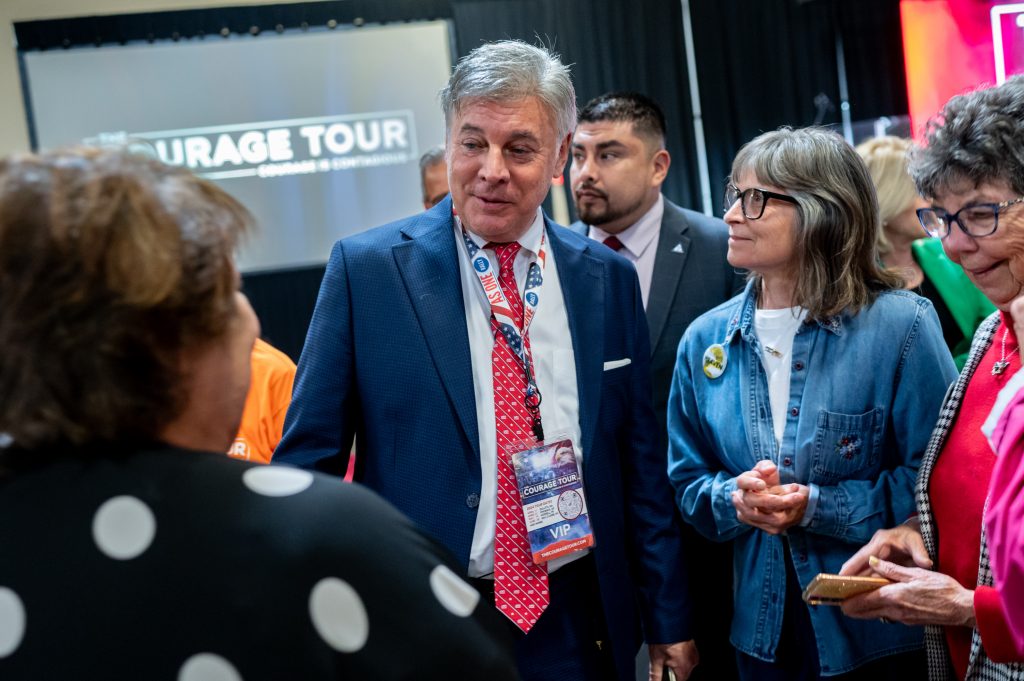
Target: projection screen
318 133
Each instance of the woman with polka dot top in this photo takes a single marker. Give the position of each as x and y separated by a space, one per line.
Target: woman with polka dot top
131 547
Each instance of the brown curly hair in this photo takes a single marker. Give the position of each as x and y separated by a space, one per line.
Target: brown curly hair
112 265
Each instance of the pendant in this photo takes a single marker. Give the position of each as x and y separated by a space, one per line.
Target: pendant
999 367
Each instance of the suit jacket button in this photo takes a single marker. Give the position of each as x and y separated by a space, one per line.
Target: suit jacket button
473 500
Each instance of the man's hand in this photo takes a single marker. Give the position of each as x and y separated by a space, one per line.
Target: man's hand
916 597
762 502
902 545
680 657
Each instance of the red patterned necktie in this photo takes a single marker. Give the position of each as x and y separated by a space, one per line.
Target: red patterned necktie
520 585
613 243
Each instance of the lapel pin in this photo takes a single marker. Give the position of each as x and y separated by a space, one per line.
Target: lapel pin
715 360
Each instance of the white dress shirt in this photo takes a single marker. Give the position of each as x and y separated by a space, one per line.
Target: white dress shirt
554 366
640 243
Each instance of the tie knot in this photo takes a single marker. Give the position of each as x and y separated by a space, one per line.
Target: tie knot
613 243
506 252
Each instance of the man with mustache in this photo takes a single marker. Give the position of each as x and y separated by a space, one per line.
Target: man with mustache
619 163
449 340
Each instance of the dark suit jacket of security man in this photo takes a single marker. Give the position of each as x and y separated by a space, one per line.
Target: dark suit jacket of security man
691 275
387 358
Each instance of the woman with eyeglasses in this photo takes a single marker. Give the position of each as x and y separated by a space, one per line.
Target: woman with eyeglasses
971 168
800 409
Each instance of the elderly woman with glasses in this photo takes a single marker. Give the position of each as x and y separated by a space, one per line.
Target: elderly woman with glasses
800 409
971 168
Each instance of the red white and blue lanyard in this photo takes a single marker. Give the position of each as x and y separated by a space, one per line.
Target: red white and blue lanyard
507 324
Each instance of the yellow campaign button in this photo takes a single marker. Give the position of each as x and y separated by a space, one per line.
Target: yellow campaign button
715 360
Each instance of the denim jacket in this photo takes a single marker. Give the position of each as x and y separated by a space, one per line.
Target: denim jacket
865 391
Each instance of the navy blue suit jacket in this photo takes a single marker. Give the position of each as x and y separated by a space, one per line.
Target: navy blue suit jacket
387 359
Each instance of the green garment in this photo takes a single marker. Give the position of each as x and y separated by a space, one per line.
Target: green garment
968 306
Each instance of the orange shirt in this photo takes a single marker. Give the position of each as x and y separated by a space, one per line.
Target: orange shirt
270 393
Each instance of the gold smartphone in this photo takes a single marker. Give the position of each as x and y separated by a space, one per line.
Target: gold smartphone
826 589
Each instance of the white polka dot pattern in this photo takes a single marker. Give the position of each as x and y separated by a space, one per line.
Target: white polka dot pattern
339 615
12 621
208 667
277 481
454 594
123 527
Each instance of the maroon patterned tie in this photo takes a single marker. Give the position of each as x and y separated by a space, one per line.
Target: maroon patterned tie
520 585
613 243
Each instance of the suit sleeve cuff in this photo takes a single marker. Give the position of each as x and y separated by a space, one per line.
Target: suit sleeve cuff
992 625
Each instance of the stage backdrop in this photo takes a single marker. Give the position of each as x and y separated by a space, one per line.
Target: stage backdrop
318 133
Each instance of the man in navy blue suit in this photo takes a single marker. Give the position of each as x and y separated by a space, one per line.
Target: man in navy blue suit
457 342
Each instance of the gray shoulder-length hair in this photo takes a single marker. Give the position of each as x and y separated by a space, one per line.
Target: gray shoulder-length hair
978 137
510 70
837 264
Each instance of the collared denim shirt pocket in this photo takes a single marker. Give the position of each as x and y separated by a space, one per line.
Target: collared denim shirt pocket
846 446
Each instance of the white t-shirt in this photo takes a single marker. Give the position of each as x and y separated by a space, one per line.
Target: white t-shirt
776 330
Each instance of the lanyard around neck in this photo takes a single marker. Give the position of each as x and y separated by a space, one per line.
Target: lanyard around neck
507 324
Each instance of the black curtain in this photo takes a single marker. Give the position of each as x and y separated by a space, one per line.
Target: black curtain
611 45
284 302
767 63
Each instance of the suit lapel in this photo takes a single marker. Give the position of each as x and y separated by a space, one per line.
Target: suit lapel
428 263
582 280
673 250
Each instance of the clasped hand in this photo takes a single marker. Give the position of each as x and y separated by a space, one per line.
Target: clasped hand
761 500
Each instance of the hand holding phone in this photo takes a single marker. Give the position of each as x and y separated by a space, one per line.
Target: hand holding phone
826 589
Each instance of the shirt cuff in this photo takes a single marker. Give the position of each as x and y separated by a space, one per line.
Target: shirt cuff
812 505
723 509
992 625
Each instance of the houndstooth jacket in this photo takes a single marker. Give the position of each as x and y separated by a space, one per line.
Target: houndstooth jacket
980 667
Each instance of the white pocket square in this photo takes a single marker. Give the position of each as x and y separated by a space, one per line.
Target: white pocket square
616 363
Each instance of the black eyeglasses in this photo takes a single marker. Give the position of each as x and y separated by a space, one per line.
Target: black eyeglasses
752 200
979 219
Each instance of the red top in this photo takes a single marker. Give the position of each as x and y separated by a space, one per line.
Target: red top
958 488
